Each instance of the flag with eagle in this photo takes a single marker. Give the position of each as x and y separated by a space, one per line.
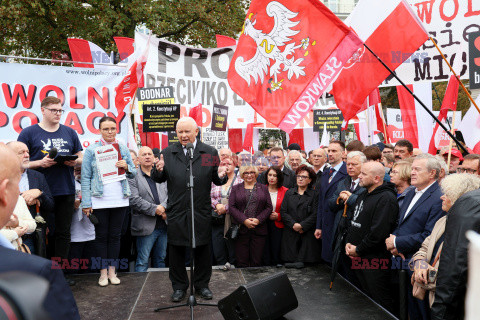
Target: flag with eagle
288 54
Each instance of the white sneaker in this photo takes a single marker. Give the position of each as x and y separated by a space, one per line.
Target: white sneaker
227 266
103 281
114 279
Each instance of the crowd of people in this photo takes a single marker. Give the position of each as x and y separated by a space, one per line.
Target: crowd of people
373 213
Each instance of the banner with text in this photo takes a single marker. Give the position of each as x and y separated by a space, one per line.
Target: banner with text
87 96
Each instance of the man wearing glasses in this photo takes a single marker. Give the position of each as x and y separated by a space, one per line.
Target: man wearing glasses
470 164
40 139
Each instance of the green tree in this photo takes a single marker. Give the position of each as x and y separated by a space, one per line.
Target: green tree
38 27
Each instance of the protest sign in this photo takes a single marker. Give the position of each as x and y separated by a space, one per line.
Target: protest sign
333 118
160 117
216 139
219 118
474 59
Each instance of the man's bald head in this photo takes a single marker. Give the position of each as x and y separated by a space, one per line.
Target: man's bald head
9 180
371 175
146 158
21 151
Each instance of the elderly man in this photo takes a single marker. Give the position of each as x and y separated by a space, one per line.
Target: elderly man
403 149
59 302
319 162
148 202
373 220
419 212
294 160
34 189
174 168
328 185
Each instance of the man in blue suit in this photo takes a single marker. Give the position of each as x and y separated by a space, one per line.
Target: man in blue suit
329 180
418 214
59 302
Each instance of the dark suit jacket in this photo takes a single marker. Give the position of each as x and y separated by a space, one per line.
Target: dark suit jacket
59 302
36 180
237 202
176 174
289 178
419 223
326 217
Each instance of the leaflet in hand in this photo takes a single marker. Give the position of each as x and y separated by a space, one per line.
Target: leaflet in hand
106 158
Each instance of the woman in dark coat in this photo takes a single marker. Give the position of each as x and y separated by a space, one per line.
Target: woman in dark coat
298 213
251 216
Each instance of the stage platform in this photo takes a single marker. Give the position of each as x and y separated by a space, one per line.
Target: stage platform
140 293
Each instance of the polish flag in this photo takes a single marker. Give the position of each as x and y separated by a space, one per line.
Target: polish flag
325 136
449 103
248 140
125 47
133 80
224 41
417 123
196 111
470 128
393 32
296 136
367 130
86 51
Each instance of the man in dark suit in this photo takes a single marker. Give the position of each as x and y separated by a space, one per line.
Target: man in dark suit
34 189
59 302
319 161
277 158
328 185
420 211
148 202
173 168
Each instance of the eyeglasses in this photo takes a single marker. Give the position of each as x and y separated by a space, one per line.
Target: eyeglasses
109 129
303 177
393 172
249 172
462 170
55 111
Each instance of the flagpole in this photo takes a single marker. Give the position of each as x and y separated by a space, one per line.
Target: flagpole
419 101
458 78
385 138
451 141
368 121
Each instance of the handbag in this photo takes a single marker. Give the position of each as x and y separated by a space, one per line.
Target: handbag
419 290
232 232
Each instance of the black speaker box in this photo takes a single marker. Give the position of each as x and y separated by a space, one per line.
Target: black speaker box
264 299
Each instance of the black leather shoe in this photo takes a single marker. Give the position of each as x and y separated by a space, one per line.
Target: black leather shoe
178 295
205 293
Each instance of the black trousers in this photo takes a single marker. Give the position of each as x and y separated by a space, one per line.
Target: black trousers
63 212
107 234
271 252
178 273
376 282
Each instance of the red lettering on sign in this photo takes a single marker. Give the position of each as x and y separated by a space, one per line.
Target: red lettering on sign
73 99
49 88
118 119
470 11
442 12
91 118
94 96
424 10
73 122
476 43
19 93
17 120
3 119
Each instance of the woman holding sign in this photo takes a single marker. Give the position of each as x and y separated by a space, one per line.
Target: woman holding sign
105 192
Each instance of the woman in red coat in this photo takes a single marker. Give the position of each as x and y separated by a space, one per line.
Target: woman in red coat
275 224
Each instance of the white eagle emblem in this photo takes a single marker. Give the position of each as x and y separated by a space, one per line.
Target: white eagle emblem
268 48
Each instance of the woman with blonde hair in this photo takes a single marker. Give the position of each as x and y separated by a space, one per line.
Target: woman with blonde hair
400 176
425 262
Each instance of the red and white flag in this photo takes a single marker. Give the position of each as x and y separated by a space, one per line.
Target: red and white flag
225 41
288 55
125 47
417 123
196 111
470 128
248 143
371 120
393 32
449 103
133 80
86 51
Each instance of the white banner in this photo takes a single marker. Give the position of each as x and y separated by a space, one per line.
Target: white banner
448 22
87 95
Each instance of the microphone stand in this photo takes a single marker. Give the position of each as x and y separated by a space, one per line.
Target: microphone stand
191 301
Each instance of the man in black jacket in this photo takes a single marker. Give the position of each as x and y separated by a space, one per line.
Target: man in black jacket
277 158
173 168
451 283
373 220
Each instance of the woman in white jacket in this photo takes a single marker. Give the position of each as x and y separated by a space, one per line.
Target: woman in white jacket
22 224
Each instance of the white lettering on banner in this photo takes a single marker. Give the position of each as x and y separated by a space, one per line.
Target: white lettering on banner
87 96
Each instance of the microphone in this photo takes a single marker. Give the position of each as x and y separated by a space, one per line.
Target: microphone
190 150
52 153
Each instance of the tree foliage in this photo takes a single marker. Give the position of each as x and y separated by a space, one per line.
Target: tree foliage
38 27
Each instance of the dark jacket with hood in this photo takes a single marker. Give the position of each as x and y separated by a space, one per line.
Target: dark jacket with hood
374 219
